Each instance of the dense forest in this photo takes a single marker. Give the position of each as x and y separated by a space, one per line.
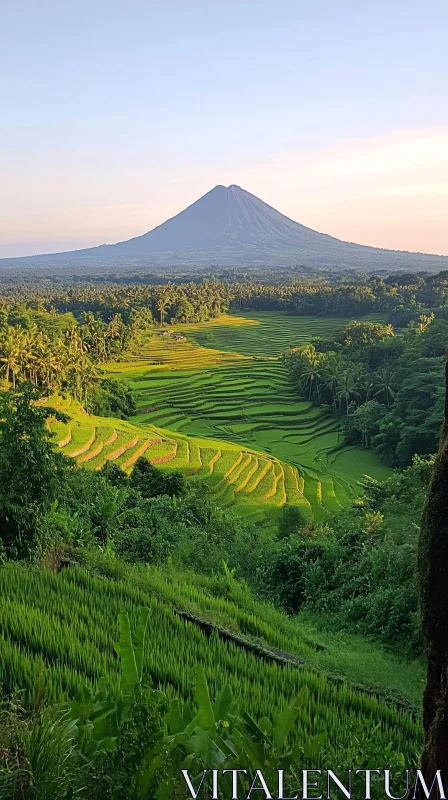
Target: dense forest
385 377
387 384
402 297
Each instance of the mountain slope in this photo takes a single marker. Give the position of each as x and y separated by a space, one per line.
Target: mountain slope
228 226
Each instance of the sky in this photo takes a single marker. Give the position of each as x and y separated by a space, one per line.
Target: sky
114 116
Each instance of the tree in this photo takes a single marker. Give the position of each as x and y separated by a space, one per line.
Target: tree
347 387
146 478
364 422
184 310
333 366
291 520
307 366
175 484
9 354
164 300
31 472
151 482
432 572
363 334
385 379
423 323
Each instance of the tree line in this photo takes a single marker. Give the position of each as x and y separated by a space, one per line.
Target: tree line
402 298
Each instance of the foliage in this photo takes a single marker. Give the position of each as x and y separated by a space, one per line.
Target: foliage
360 567
130 742
388 385
111 398
290 521
140 299
31 473
117 537
150 482
59 352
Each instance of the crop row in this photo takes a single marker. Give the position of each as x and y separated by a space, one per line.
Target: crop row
57 630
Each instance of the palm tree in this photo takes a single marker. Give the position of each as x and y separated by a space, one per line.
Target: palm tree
10 353
311 371
49 363
424 321
332 368
163 302
347 387
367 385
385 379
25 351
114 327
76 342
86 376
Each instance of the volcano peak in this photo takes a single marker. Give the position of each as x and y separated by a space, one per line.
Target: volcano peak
229 226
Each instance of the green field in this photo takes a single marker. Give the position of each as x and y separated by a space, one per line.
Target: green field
202 387
255 483
40 649
231 419
266 333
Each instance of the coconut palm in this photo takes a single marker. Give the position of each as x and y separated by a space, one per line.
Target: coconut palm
114 327
424 321
366 385
163 303
347 387
385 380
25 351
311 371
332 368
9 349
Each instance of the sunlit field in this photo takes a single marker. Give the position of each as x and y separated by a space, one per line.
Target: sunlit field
246 398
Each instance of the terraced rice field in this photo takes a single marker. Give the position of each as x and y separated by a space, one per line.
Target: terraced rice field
58 630
248 399
266 333
253 482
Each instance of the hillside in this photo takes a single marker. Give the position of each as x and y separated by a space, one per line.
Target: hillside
217 401
253 482
229 226
232 419
35 607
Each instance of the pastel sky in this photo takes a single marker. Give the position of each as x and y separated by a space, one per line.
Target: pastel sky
116 115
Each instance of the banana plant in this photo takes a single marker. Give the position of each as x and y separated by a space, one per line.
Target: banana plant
99 717
130 649
208 735
218 736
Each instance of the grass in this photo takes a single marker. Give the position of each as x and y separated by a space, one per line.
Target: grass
58 629
233 420
226 414
238 476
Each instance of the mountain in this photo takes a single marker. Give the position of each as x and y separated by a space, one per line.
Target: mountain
231 227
